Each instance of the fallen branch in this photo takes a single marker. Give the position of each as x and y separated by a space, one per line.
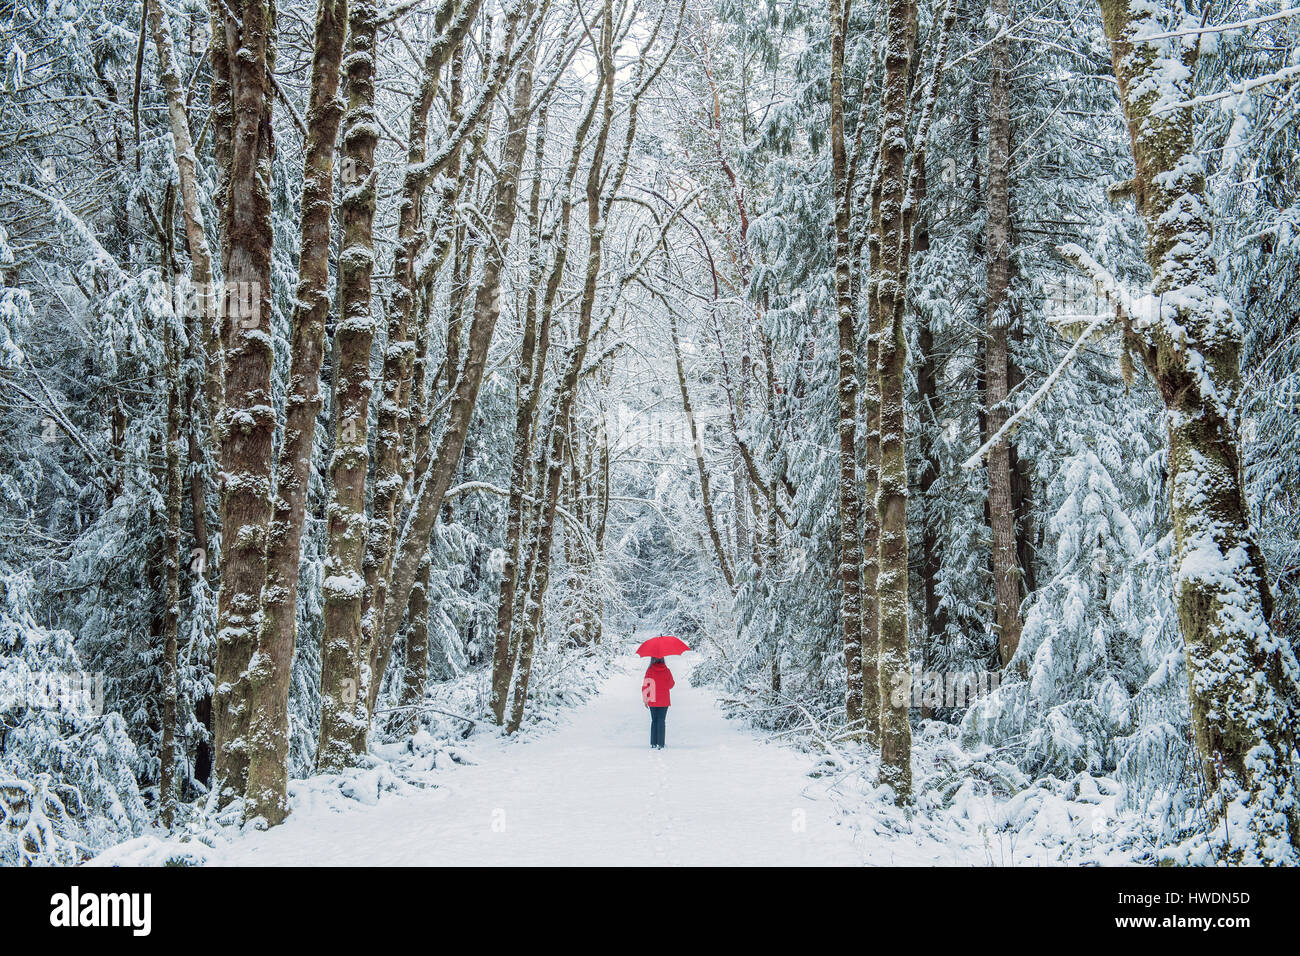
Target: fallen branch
425 707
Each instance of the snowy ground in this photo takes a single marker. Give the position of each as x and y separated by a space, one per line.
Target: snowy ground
590 792
584 788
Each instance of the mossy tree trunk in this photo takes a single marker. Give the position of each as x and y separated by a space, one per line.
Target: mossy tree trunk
343 715
1243 689
268 769
436 479
248 420
850 545
997 322
393 464
567 388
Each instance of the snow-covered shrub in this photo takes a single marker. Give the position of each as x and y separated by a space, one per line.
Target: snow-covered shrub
67 785
1072 697
1097 684
15 310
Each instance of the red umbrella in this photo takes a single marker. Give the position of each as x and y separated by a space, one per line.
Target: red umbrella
662 646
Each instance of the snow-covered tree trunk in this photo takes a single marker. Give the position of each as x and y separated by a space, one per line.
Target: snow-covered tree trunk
392 463
566 389
171 584
997 320
343 719
697 452
435 481
850 542
415 676
927 363
202 325
222 121
927 387
741 500
268 767
425 389
1245 700
201 273
873 699
601 519
891 293
532 365
248 422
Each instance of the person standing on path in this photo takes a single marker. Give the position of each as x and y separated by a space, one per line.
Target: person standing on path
655 688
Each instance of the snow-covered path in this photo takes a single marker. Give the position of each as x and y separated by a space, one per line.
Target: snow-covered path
590 792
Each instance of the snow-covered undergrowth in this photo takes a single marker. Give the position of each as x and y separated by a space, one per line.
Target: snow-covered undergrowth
974 804
67 770
451 729
981 809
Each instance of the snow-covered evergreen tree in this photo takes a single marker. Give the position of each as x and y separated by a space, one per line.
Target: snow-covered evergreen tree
67 768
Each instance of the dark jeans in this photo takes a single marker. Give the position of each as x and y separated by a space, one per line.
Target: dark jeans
657 717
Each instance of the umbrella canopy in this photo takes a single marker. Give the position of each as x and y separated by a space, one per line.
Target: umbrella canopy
662 646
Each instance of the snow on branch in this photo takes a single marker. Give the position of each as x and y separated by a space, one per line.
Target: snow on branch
396 11
1227 27
466 487
1283 75
1109 290
75 223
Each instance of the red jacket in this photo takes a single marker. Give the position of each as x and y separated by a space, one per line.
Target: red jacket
658 682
